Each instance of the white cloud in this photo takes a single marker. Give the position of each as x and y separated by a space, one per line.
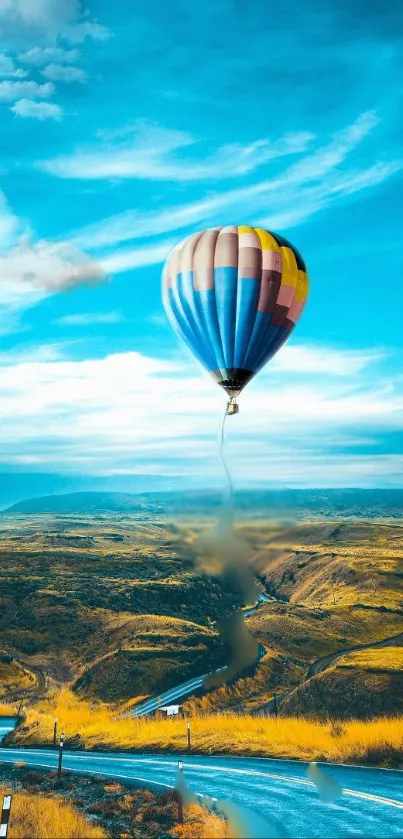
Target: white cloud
10 91
39 56
37 110
315 182
61 73
310 359
105 415
31 270
8 68
43 265
152 154
43 22
90 319
134 224
126 260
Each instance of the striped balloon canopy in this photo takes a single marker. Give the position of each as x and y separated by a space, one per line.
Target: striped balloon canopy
234 294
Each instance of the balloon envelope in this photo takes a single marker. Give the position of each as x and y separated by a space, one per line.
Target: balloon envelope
234 294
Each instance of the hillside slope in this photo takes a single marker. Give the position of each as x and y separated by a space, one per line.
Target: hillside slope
115 606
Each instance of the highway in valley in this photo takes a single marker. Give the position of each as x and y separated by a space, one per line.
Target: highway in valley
279 798
170 697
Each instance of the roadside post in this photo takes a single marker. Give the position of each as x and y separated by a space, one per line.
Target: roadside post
19 707
178 792
61 745
275 705
188 733
54 734
5 815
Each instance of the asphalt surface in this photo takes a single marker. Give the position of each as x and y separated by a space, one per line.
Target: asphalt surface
279 799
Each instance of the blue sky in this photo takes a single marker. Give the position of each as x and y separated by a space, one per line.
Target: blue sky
127 126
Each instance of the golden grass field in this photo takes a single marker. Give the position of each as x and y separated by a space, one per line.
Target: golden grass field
378 660
45 817
378 741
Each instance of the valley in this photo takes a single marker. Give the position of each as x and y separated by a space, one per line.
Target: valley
115 608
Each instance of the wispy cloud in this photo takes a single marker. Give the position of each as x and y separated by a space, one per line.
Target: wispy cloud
125 260
152 154
316 181
8 68
90 319
90 405
27 109
328 361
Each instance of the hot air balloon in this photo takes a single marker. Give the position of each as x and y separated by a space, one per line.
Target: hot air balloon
234 294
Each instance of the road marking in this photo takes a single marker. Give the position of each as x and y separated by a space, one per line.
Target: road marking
107 774
366 796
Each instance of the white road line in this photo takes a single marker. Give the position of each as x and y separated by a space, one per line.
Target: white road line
107 774
390 802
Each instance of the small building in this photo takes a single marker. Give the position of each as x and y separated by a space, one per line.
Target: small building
171 710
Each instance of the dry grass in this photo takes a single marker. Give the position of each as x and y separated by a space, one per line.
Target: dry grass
8 709
13 676
377 741
43 817
381 660
200 824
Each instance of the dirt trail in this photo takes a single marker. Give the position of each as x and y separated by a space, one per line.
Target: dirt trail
323 663
326 661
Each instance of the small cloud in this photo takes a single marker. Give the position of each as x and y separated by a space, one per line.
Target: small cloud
8 68
10 91
90 319
149 152
47 266
23 22
38 56
80 31
60 73
27 109
158 319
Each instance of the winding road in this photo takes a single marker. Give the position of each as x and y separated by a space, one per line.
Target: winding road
323 663
192 685
276 791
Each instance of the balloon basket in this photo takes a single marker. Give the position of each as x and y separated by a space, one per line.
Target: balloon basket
232 408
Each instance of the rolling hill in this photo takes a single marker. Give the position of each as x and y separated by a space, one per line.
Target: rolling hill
251 504
114 606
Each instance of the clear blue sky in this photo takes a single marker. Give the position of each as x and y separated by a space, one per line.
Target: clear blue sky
129 126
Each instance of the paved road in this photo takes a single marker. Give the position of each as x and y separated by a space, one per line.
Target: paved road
278 791
170 697
322 663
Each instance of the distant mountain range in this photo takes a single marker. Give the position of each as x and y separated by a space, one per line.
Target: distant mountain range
321 503
18 485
